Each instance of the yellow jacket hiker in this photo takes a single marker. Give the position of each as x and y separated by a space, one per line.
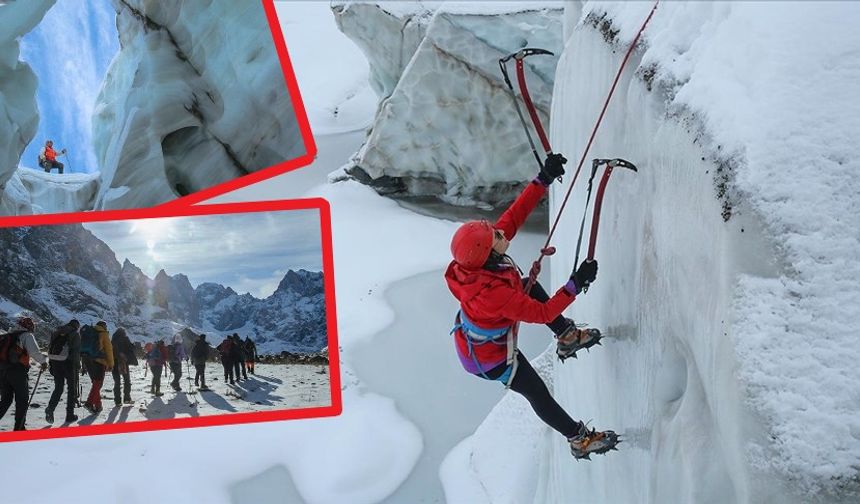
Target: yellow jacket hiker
97 366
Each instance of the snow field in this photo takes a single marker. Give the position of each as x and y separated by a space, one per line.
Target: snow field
273 387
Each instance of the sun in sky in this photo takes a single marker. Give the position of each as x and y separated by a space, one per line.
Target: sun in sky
152 232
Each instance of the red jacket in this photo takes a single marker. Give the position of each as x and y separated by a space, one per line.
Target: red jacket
494 299
50 154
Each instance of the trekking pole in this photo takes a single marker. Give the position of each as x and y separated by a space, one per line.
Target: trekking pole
35 387
68 160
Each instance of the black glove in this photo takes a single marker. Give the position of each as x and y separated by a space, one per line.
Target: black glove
586 274
552 168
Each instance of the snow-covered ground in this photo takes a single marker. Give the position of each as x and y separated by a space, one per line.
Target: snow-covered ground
273 387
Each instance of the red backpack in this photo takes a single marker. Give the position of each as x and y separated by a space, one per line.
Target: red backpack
11 349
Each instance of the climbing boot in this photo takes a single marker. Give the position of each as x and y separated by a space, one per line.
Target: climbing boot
587 442
574 339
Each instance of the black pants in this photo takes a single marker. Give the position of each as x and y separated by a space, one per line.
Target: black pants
64 377
238 368
13 385
176 369
530 385
244 369
228 369
156 377
200 375
121 375
537 292
49 165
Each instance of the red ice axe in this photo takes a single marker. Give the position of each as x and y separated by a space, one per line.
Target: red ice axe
611 164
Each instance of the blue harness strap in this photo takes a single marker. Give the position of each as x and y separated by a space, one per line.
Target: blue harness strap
494 335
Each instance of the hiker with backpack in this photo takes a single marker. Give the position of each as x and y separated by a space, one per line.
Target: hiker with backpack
48 158
16 349
156 358
64 357
239 357
225 348
177 355
250 353
199 356
493 301
98 359
124 356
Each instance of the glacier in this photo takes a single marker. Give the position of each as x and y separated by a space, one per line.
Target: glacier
731 323
195 97
173 116
19 117
459 142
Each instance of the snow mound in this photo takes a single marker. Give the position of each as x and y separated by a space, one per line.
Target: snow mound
439 80
195 97
55 193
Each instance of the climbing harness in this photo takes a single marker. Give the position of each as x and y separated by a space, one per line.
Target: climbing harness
519 56
478 336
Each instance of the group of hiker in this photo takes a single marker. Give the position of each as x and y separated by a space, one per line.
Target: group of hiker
76 349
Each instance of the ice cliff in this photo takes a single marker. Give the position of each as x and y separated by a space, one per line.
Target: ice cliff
446 127
728 264
19 117
195 97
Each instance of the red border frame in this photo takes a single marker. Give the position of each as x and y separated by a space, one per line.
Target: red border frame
228 418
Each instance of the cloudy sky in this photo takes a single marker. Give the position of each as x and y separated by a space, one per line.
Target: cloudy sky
250 252
70 52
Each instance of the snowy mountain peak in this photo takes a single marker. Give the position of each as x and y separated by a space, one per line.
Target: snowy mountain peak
302 282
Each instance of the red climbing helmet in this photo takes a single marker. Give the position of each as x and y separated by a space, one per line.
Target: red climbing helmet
472 243
27 323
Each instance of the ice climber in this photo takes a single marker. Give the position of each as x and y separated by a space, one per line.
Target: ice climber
493 301
48 158
16 349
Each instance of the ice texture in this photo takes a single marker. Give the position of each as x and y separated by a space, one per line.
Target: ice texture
19 117
447 127
728 264
195 97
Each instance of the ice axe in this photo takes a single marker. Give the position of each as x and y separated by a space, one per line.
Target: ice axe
611 164
519 56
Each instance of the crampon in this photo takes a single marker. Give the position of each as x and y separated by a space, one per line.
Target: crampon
588 442
575 339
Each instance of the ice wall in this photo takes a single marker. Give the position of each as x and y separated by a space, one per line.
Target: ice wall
19 117
731 305
447 128
195 97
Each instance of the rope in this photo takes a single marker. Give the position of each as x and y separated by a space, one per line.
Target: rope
547 250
